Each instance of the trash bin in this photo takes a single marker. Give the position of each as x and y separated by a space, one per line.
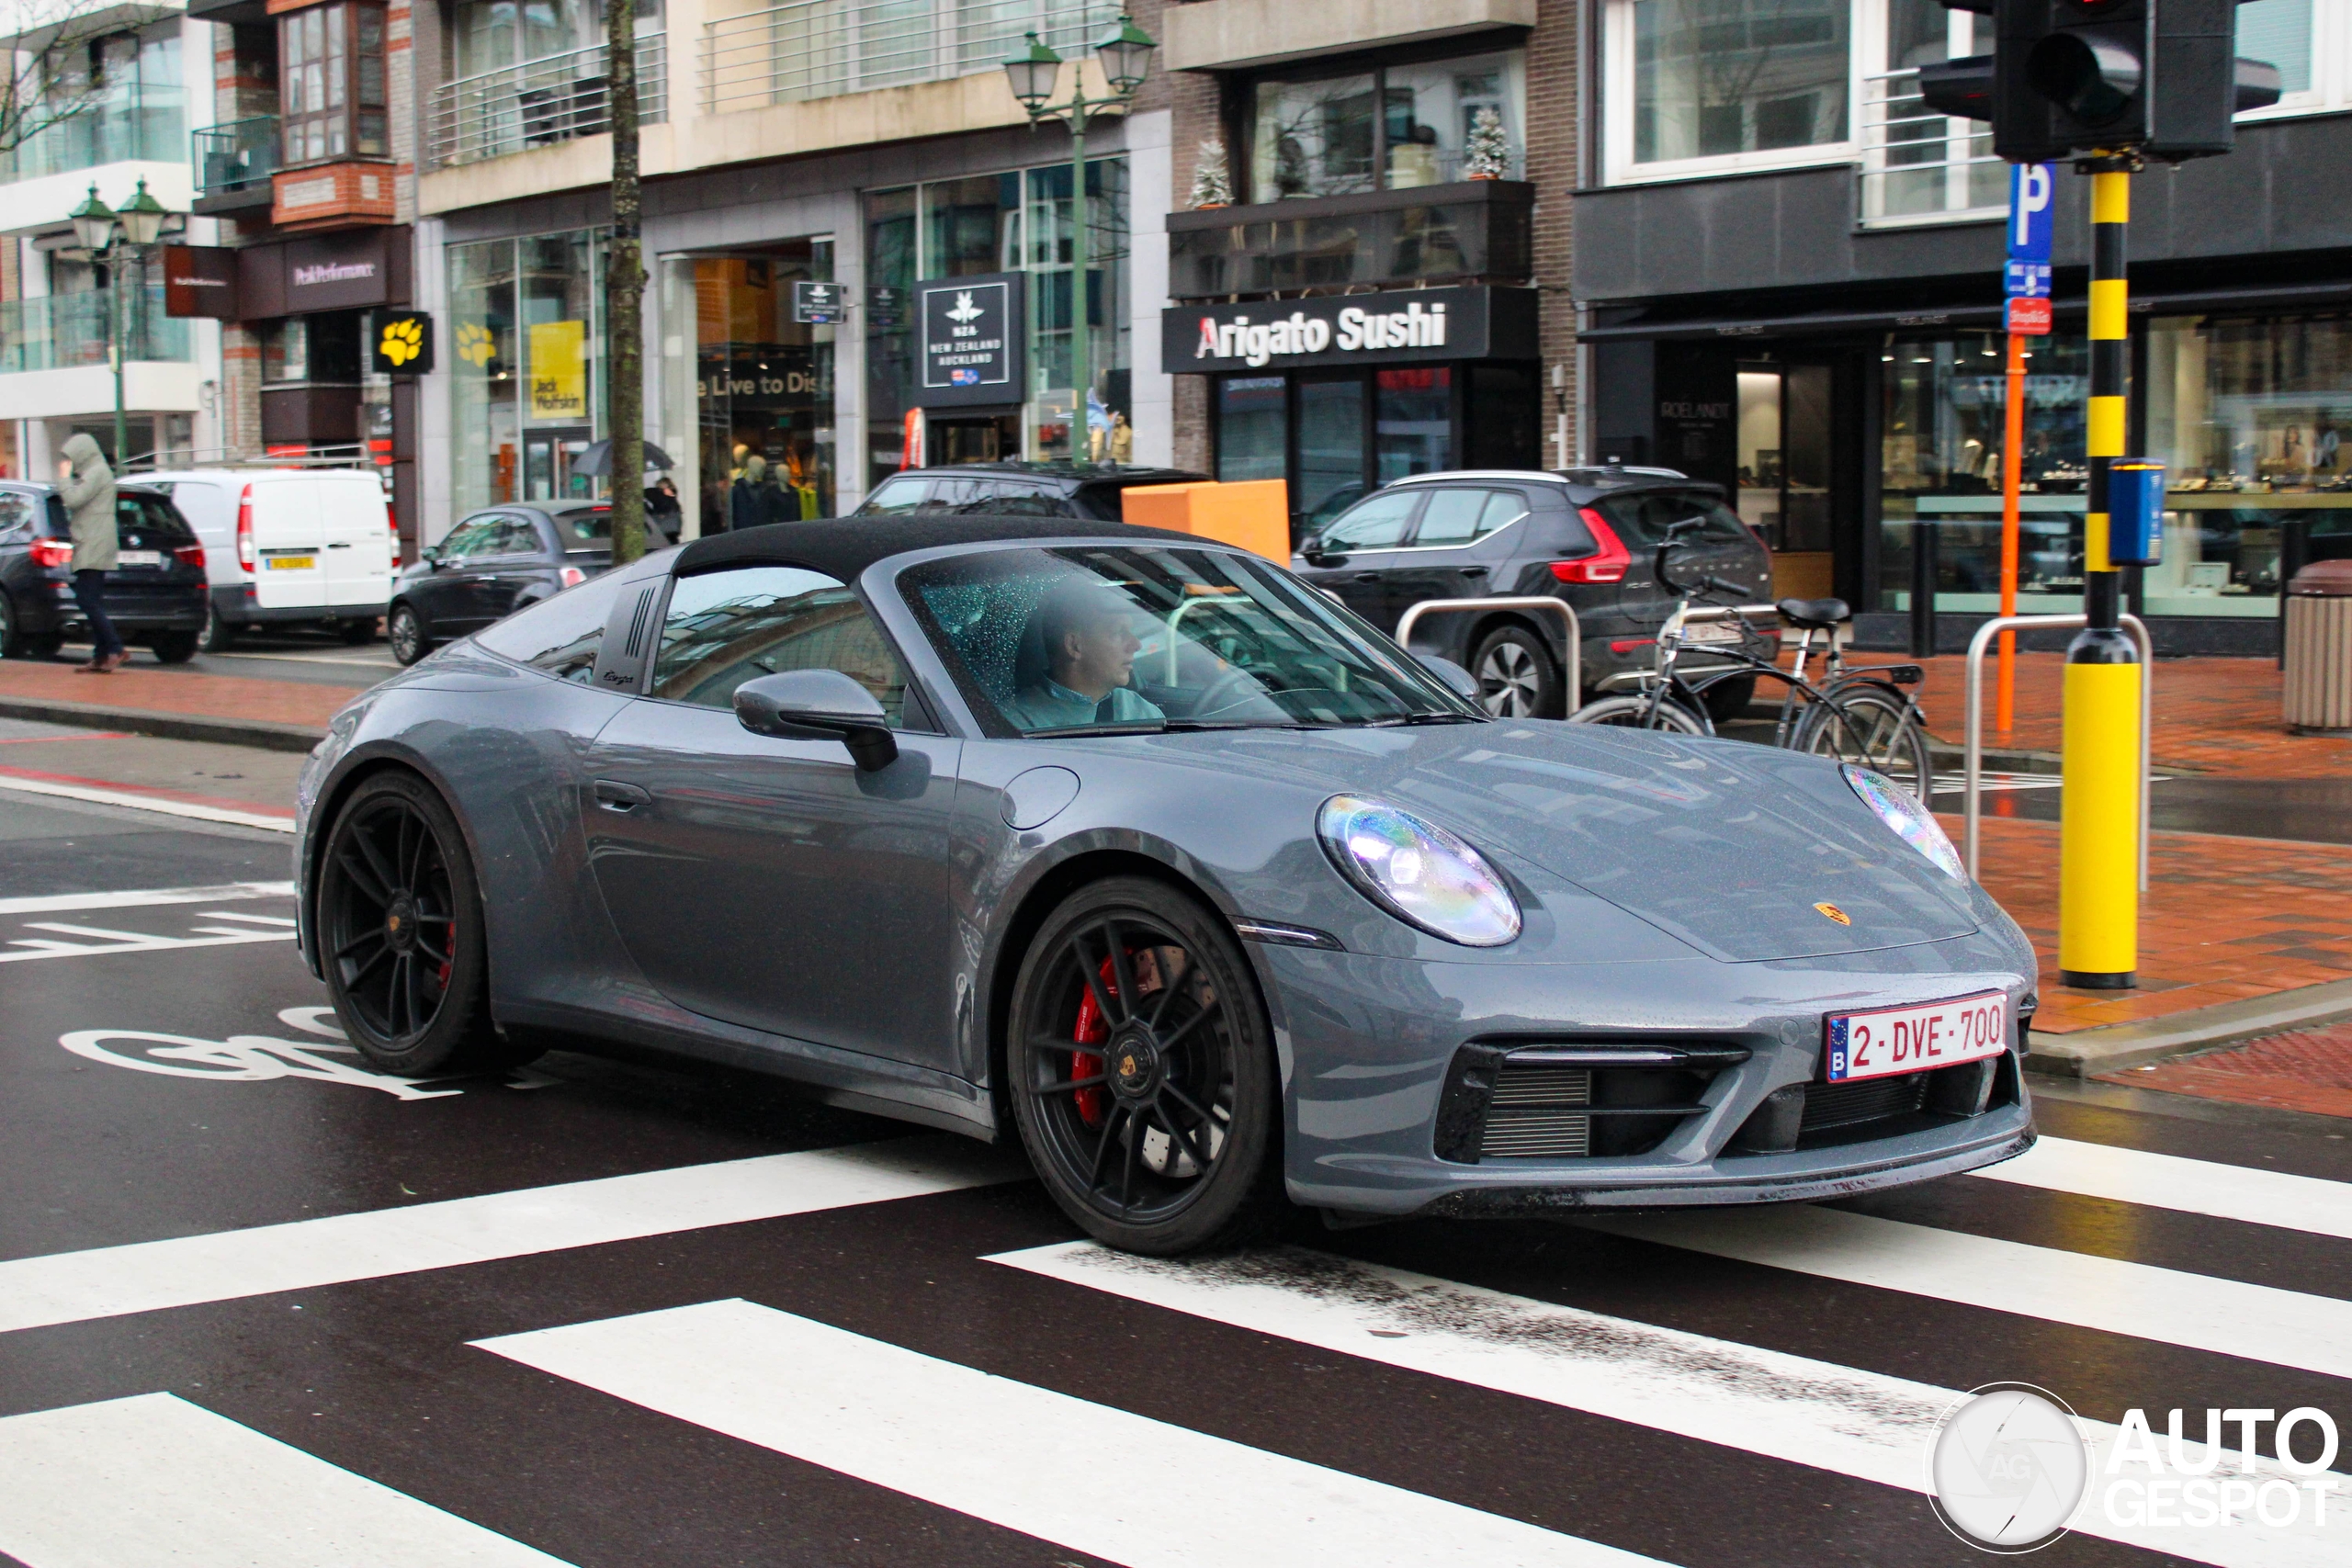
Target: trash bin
2319 649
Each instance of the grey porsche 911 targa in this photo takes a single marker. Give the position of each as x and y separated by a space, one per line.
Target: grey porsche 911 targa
1133 847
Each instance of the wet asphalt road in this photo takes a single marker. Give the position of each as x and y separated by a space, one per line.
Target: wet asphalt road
320 1391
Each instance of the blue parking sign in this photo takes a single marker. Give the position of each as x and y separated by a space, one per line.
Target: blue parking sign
2032 188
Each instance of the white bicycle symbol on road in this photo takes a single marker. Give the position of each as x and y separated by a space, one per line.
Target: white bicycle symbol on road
246 1058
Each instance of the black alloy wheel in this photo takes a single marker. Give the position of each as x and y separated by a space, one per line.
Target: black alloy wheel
1142 1071
404 629
1517 678
399 931
173 647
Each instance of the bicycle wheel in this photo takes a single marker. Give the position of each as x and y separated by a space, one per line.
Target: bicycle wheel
1630 712
1870 729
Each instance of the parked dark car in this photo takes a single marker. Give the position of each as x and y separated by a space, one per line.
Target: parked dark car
1588 537
1019 490
156 595
494 563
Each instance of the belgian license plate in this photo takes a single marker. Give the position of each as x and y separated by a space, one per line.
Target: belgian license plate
1710 631
292 563
138 558
1886 1041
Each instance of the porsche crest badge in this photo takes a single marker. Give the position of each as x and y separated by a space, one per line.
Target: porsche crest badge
1832 912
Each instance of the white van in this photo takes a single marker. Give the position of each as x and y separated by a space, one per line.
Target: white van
288 546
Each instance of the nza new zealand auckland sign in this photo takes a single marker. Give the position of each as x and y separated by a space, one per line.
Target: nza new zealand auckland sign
971 340
1347 328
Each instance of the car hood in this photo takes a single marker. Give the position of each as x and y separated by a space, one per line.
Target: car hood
1730 846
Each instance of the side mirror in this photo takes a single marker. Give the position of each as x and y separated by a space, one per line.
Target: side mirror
819 705
1454 678
430 556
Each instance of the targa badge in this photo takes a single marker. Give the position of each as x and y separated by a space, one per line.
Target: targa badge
2007 1468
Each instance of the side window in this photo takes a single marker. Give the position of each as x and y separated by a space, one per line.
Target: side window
15 513
896 496
1379 523
559 634
471 537
160 517
726 627
515 537
1450 517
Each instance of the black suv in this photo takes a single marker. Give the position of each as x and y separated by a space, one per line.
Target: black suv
1588 537
157 593
496 562
1041 490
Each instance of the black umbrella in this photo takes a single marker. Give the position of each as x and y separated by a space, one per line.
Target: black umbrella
596 457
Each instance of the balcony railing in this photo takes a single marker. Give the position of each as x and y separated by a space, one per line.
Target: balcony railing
62 331
541 101
1477 231
818 49
103 134
236 156
1918 166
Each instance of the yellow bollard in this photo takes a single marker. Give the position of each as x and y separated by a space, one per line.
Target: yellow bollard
2098 857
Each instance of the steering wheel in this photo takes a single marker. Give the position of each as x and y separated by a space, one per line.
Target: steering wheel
1218 695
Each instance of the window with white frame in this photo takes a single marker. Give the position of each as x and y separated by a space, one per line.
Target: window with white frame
1697 87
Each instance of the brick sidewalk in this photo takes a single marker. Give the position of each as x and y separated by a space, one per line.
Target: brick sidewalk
2217 717
181 692
2307 1070
2224 919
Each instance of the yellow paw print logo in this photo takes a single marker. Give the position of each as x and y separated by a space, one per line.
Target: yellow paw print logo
403 341
475 346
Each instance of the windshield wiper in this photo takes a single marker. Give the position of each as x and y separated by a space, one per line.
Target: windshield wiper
1423 719
1132 726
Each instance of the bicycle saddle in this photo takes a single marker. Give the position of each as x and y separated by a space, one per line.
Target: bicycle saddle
1812 612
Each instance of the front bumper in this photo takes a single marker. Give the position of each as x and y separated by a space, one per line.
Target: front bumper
1372 1048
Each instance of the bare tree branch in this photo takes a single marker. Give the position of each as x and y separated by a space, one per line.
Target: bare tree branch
56 71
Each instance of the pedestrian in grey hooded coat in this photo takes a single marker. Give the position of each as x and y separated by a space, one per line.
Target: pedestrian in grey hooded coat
87 487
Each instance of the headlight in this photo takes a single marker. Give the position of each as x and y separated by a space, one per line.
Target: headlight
1418 872
1912 822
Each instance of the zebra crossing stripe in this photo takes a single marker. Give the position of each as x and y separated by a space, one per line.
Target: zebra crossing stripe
1831 1417
2238 1192
69 1287
1008 1451
2227 1317
153 1479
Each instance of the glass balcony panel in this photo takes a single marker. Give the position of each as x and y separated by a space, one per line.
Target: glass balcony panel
60 332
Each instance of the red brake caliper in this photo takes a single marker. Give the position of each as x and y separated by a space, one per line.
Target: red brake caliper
1092 1030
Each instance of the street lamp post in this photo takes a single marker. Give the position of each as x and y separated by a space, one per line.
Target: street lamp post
109 235
1126 54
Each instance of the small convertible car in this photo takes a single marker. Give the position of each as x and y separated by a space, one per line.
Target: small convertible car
1132 847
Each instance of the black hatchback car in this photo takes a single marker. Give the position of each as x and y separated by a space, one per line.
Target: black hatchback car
1587 536
156 594
494 563
1029 490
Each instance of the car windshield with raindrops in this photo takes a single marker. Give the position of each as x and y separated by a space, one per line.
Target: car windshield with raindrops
1108 640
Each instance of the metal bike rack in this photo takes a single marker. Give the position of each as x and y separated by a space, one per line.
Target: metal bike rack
1972 767
1574 662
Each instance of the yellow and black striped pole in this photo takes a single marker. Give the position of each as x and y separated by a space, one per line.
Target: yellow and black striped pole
2099 892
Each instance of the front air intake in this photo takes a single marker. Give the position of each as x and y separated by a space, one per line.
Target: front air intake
1572 1100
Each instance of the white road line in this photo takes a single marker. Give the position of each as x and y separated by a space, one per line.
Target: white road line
248 920
1008 1452
154 1479
2228 1317
2238 1192
150 803
69 1287
1831 1417
149 897
32 947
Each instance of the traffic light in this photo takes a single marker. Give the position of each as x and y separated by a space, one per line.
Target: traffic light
2161 77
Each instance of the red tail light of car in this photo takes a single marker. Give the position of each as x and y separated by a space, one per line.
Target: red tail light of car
189 555
573 577
245 529
53 552
1607 562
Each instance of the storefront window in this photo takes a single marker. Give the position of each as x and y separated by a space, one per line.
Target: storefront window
1412 420
331 95
526 379
1393 127
2253 421
765 387
1944 424
1330 447
1717 77
1252 424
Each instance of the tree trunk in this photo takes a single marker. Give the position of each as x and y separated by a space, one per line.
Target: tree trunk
625 292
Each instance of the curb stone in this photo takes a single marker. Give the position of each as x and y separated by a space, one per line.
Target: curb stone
2087 1053
264 734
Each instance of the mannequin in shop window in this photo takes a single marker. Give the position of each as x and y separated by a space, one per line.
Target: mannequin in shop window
747 505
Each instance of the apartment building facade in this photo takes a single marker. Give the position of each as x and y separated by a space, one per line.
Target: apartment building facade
1791 275
62 308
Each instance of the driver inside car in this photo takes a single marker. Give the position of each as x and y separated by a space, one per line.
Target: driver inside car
1089 642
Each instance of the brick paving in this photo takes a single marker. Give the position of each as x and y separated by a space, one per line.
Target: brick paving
177 691
2218 716
2306 1070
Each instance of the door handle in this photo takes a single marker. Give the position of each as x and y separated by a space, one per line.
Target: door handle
491 577
1474 571
1366 577
341 544
615 796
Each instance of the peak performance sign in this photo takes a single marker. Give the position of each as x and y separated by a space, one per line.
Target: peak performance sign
1403 326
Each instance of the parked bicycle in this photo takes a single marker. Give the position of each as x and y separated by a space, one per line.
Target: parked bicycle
1865 716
